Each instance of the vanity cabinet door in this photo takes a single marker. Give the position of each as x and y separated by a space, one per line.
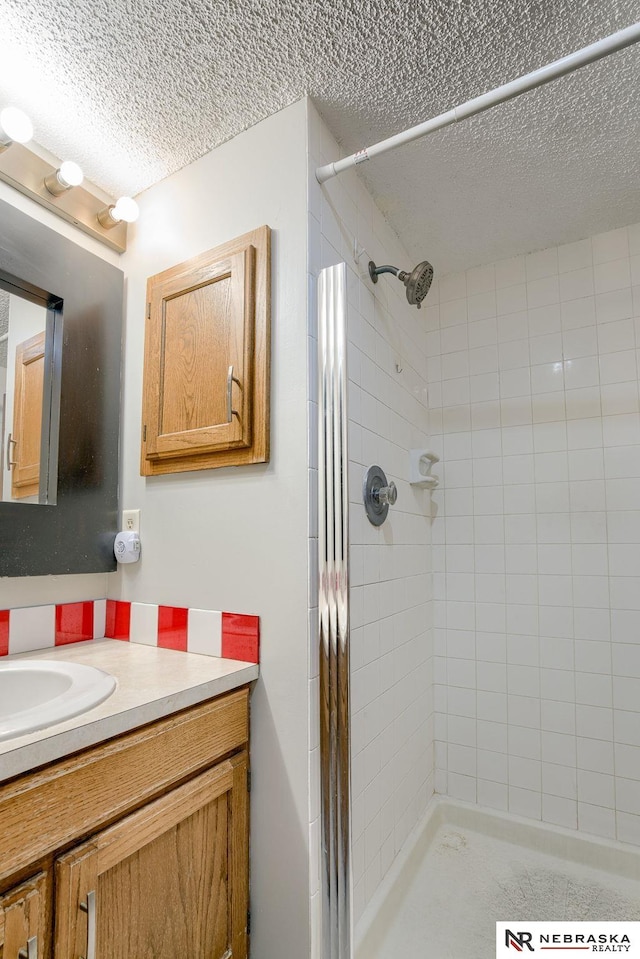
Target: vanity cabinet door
169 880
24 927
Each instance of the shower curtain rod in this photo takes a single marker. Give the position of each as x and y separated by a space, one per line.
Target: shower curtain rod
595 51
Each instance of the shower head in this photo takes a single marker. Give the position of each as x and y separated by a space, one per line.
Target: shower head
417 282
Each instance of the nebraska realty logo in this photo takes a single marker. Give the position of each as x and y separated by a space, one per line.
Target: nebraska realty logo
554 938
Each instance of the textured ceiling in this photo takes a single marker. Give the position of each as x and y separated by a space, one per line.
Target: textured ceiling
136 89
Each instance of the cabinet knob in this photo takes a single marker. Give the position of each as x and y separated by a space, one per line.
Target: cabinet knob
231 379
11 463
90 908
31 952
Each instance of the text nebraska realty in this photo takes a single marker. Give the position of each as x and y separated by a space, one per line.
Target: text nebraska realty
599 942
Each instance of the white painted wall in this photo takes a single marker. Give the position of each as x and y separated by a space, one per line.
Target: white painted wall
391 636
232 539
535 406
236 538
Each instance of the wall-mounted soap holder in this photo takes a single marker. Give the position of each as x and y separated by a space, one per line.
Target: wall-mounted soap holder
420 463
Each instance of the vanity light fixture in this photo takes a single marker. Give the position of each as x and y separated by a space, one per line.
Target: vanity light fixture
125 209
64 178
15 127
60 187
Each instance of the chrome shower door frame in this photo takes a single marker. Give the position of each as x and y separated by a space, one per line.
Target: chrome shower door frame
333 607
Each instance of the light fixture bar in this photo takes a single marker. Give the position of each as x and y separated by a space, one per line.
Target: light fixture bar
27 172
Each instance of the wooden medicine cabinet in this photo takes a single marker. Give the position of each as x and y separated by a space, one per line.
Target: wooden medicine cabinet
206 360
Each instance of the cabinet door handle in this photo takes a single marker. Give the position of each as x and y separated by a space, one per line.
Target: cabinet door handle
31 952
10 462
90 908
231 379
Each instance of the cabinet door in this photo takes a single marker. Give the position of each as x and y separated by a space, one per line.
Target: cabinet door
198 358
24 932
27 417
206 360
169 880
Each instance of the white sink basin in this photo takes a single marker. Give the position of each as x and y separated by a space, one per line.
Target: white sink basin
35 694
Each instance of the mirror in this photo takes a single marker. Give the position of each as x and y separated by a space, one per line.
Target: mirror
29 395
71 466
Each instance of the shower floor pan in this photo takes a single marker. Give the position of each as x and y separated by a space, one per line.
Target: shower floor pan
470 868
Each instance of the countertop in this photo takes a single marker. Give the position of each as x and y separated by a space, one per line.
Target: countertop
151 683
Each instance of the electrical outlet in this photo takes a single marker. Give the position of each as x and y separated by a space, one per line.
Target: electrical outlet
131 520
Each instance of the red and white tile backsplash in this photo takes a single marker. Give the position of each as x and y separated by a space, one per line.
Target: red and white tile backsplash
205 631
41 627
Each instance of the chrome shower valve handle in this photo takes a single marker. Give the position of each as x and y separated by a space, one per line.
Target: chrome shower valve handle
387 495
378 495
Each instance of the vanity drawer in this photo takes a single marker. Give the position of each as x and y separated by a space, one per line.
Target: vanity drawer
46 810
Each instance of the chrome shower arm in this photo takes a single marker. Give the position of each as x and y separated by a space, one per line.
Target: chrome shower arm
375 271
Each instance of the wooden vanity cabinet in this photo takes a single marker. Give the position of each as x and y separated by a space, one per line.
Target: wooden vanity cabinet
25 920
166 879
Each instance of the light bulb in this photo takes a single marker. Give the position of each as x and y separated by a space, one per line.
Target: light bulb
70 174
125 209
67 176
15 126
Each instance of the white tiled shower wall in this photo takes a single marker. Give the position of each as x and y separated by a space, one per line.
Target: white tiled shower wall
533 391
391 635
